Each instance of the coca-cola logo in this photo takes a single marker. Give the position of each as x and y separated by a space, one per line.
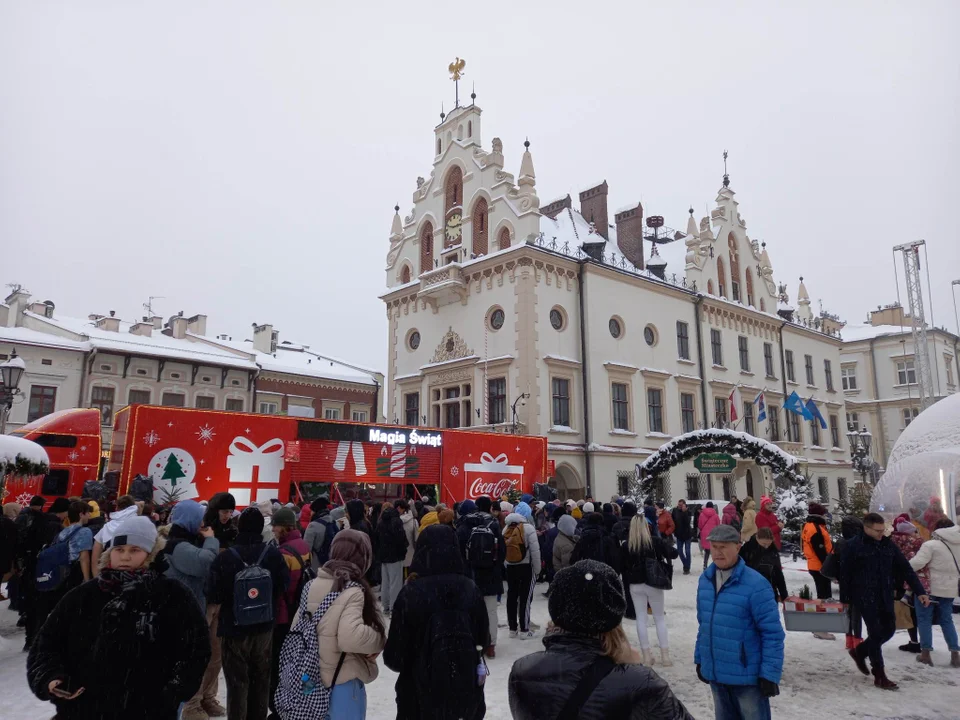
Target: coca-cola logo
490 488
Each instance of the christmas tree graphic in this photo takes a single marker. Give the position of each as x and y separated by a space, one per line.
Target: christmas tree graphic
172 471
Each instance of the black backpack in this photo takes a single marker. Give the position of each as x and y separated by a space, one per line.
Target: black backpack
331 529
447 666
483 547
141 488
252 592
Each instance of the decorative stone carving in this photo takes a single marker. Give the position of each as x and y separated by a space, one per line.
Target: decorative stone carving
497 145
451 347
420 182
449 376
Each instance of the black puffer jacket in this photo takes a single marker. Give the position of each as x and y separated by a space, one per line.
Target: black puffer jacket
870 570
541 684
490 581
138 650
634 563
391 538
596 545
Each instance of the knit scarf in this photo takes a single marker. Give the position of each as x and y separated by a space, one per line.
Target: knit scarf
131 592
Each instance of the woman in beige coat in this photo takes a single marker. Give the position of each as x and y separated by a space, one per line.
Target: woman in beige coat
749 526
352 626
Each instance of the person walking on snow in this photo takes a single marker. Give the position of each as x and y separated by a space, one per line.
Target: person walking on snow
908 542
481 543
392 546
411 528
320 532
760 554
522 563
665 522
739 649
941 556
768 518
683 532
707 522
871 568
565 543
621 533
643 554
749 525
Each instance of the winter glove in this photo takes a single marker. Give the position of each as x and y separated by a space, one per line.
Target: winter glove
703 679
769 689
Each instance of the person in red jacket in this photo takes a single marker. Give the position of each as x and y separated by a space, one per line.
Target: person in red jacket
706 523
306 515
767 518
665 521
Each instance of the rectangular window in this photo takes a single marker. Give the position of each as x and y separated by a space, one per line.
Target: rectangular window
234 405
768 360
794 420
948 363
815 432
716 347
828 374
102 399
906 373
909 415
693 487
173 400
773 419
688 418
835 430
331 413
411 409
791 372
138 397
46 361
823 485
842 492
848 377
655 409
43 401
736 290
744 353
720 412
268 408
853 421
561 402
206 402
451 413
624 478
683 341
358 415
497 400
621 406
748 424
55 482
725 481
808 366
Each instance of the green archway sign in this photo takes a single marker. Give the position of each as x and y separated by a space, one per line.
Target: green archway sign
715 463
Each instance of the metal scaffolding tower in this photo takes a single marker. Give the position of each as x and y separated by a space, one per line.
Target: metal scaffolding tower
918 323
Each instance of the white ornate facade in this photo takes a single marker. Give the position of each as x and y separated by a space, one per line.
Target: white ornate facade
493 296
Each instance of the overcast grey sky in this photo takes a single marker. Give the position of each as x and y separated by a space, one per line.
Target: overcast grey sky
243 158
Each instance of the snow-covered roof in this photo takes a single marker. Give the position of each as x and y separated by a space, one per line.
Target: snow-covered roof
300 360
12 448
27 336
852 333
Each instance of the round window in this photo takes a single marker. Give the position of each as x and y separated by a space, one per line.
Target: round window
650 335
556 319
615 328
414 341
496 319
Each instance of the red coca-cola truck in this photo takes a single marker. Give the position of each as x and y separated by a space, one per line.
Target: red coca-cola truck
192 454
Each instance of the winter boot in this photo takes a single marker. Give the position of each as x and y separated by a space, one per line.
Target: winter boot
193 711
824 636
913 647
213 708
665 657
859 659
648 658
924 657
955 659
491 651
881 680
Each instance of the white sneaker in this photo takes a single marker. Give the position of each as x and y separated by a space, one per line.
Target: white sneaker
665 657
527 635
513 633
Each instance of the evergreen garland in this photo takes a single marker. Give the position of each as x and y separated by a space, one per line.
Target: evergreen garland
23 467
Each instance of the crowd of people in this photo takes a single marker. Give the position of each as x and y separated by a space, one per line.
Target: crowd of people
295 605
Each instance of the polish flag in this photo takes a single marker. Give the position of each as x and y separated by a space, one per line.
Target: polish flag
736 402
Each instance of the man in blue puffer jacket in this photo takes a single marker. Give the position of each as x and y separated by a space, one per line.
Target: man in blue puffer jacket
740 639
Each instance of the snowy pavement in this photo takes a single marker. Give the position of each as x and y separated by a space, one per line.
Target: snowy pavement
819 680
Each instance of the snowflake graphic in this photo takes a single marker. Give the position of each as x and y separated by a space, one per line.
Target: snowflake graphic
73 455
151 438
24 498
205 434
454 471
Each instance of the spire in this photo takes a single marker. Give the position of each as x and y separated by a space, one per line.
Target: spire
726 176
691 225
527 176
804 312
764 257
396 229
802 295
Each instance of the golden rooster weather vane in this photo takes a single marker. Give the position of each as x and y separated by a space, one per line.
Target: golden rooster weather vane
456 72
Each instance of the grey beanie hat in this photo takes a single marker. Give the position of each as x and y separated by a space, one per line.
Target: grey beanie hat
137 531
587 598
724 534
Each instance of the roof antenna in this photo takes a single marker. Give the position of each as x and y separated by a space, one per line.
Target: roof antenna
473 93
726 176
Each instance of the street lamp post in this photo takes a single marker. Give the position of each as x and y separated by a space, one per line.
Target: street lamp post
513 409
860 441
10 373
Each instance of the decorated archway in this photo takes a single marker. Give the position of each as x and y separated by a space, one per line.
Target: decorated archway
785 467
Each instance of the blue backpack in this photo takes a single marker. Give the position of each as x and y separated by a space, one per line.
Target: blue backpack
331 529
252 592
53 563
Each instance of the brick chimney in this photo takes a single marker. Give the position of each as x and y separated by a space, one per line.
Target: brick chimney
630 234
552 209
197 325
593 207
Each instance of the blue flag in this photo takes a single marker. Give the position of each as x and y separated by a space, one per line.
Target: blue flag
761 404
795 405
814 412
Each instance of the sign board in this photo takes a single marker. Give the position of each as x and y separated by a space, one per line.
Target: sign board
551 468
715 463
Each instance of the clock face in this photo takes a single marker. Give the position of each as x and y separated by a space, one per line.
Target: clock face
454 227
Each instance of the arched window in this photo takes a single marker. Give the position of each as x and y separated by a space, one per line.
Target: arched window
469 128
504 241
454 189
734 267
721 278
480 231
710 287
426 248
405 274
460 132
439 145
749 282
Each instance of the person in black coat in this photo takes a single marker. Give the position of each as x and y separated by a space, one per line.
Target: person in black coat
871 567
683 533
130 644
357 519
550 537
392 549
609 519
595 544
35 530
437 600
488 580
219 516
760 554
586 609
621 533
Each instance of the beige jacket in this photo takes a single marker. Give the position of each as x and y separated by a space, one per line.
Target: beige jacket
341 629
412 529
749 526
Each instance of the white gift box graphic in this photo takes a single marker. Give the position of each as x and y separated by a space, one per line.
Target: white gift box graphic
492 476
254 471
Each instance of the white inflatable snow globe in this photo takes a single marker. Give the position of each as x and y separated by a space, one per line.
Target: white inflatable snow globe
923 471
